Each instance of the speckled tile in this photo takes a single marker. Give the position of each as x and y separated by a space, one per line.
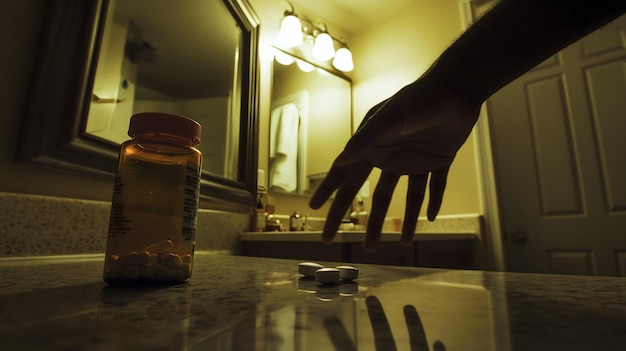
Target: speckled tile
249 303
33 225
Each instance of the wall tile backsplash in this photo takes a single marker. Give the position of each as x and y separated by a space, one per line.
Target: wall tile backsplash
33 225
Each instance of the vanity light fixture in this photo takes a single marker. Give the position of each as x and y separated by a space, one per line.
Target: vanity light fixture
290 34
305 66
295 30
323 49
343 60
282 58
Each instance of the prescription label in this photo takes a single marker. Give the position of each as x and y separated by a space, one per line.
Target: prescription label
190 203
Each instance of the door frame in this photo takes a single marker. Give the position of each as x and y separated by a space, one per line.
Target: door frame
470 10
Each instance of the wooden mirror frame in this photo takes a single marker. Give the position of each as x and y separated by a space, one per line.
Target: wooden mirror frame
55 116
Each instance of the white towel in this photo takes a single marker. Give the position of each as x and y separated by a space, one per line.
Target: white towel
284 124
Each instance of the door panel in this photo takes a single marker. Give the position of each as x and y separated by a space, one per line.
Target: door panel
559 147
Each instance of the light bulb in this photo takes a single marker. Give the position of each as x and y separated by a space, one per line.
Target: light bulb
305 66
290 34
282 58
343 60
323 49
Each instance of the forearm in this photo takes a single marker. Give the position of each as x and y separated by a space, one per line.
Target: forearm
515 36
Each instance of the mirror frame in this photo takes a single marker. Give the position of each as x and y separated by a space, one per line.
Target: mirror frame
55 115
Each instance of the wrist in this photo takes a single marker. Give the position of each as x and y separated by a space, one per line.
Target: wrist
444 80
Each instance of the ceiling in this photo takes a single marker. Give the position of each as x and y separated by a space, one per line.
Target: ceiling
361 13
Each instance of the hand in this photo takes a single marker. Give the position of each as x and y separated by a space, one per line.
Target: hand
416 132
383 337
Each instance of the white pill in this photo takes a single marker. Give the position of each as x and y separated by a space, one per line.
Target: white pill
147 271
348 272
171 260
131 272
327 275
308 268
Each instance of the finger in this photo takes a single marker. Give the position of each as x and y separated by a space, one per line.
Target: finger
417 334
439 346
383 338
380 205
343 199
414 200
437 186
327 187
338 334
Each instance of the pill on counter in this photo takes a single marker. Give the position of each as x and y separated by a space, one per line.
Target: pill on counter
171 260
308 269
327 275
131 272
348 272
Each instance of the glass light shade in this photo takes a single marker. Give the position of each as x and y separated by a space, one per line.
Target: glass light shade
323 49
343 60
290 34
282 58
305 66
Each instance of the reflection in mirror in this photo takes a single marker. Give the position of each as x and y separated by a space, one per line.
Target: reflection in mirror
310 123
144 65
100 61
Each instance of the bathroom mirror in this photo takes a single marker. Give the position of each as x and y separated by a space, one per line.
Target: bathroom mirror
310 123
102 61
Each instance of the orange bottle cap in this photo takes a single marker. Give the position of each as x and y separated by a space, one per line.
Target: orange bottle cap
158 122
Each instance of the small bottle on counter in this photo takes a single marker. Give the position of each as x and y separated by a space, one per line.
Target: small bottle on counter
272 223
359 216
259 217
154 208
295 222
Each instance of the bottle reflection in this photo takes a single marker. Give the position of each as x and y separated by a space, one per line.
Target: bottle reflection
145 318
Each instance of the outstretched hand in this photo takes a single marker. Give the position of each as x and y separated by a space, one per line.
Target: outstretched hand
417 133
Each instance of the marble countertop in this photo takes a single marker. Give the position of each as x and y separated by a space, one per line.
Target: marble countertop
248 303
351 236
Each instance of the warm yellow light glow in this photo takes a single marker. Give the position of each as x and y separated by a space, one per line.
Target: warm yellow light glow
282 58
323 49
305 66
290 34
343 60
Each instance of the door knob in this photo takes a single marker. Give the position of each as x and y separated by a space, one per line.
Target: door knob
519 238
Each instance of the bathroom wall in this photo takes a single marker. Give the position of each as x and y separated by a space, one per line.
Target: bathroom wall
396 52
387 56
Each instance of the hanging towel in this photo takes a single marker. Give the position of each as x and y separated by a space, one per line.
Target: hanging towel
284 124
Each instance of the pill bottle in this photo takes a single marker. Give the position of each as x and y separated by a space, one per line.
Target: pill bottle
154 207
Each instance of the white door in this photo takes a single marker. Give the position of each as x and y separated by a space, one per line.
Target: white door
559 147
